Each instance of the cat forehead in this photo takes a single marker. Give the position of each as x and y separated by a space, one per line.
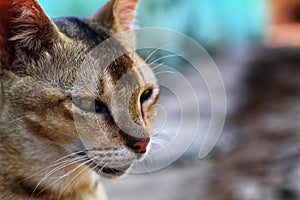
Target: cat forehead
84 30
69 60
96 79
71 64
84 36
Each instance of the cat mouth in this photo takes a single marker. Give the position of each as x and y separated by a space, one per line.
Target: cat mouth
105 171
109 172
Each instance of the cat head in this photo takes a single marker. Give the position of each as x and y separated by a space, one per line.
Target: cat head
96 105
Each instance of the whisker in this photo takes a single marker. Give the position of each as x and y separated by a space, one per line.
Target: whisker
164 72
101 170
74 178
62 177
54 171
19 118
40 171
147 163
166 136
157 66
53 165
70 155
157 131
99 162
73 161
160 140
156 50
151 164
164 57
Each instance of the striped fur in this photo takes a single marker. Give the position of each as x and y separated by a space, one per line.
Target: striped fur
51 148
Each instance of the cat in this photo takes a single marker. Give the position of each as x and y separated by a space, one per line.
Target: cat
58 136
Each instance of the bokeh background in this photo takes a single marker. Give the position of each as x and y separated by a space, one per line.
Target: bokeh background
211 22
256 46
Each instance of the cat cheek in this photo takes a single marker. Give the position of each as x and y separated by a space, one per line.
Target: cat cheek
93 130
37 129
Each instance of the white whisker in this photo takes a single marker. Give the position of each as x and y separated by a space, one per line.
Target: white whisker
53 172
99 162
74 178
160 140
157 66
62 177
19 118
155 51
56 163
45 169
69 155
100 170
164 72
73 161
164 57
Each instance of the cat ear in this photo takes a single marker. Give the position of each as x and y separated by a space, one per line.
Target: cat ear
24 26
119 15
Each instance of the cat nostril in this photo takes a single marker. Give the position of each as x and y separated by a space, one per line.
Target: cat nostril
138 146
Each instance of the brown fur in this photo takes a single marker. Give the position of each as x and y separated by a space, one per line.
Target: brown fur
41 129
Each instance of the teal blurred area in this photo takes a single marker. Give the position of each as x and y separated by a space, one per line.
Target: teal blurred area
79 8
213 23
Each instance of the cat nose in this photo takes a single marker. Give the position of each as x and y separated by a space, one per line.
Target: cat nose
138 145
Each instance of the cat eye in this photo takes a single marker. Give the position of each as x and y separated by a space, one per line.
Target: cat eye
84 104
147 94
90 105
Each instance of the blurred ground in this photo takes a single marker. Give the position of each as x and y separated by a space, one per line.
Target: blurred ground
172 183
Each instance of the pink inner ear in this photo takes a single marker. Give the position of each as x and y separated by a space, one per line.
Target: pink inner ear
23 23
4 29
4 18
126 11
11 10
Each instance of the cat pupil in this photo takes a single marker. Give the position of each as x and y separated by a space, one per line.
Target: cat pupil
101 108
146 95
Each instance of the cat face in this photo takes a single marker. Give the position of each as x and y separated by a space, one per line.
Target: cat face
66 94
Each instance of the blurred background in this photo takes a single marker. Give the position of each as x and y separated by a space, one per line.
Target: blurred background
211 22
256 46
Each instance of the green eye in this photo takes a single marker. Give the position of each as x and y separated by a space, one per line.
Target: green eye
84 104
94 106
